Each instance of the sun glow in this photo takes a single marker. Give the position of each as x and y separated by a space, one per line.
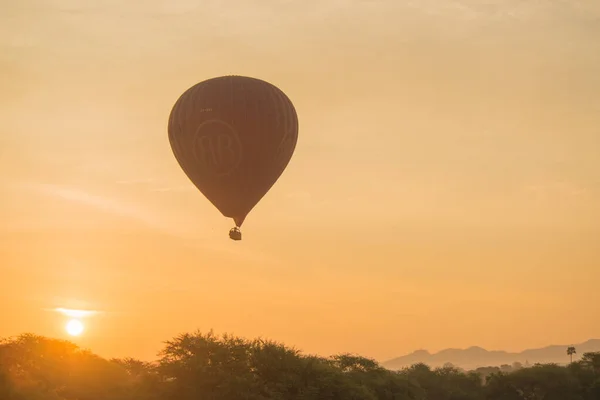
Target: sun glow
74 327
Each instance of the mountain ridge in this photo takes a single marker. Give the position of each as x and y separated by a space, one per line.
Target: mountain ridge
476 357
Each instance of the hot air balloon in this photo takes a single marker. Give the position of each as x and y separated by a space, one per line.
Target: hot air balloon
233 136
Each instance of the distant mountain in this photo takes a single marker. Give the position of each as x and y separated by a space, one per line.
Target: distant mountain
475 357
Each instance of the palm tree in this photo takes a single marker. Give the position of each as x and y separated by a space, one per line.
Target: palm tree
571 351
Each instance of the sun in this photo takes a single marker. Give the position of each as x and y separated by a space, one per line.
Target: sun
74 327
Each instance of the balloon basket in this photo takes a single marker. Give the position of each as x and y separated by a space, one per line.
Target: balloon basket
235 234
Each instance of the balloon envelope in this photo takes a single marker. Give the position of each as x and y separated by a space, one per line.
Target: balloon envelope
233 136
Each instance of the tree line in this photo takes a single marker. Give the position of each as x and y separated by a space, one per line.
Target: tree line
206 366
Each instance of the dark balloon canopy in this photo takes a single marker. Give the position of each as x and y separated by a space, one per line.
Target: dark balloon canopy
233 136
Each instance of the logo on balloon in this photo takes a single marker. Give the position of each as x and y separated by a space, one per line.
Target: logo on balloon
217 147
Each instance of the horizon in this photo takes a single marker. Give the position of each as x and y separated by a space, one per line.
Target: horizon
382 362
516 351
444 191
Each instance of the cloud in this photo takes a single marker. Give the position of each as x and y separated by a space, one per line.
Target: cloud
102 203
74 313
182 188
120 208
113 206
135 181
157 186
300 195
557 189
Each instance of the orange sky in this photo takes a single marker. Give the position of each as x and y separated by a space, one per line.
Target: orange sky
445 190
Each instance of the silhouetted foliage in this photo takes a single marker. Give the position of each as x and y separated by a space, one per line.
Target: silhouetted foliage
570 352
209 367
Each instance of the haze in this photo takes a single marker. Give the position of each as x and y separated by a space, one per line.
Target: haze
445 190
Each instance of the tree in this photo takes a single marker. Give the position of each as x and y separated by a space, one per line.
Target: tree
210 367
570 351
591 360
35 367
198 365
547 382
448 365
516 366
